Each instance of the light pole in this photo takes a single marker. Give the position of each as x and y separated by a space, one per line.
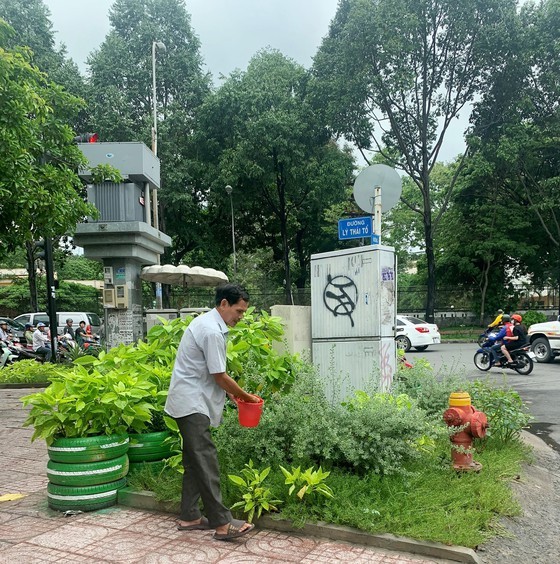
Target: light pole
161 46
229 191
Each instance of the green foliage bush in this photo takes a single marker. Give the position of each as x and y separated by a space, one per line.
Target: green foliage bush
29 372
530 317
378 434
125 389
431 393
80 403
506 412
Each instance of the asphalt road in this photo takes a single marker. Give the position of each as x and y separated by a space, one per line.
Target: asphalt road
540 389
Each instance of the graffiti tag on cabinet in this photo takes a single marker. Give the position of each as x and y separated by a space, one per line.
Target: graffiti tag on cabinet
340 296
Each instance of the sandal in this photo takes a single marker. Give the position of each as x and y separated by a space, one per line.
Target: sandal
234 530
202 526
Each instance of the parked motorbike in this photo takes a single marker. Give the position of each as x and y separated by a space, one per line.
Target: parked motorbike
522 359
14 352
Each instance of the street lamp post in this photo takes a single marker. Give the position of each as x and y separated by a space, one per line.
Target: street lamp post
229 191
161 46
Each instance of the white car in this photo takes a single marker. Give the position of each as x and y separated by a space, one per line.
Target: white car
545 340
414 332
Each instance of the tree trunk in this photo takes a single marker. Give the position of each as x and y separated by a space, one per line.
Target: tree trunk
429 239
31 277
431 281
483 290
283 217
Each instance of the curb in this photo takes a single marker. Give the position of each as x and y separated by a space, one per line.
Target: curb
23 385
146 500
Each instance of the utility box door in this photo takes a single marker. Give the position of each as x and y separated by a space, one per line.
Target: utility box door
353 293
348 365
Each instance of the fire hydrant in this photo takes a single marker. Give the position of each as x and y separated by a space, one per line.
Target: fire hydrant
462 414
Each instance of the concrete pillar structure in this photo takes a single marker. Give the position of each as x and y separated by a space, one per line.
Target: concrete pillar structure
122 238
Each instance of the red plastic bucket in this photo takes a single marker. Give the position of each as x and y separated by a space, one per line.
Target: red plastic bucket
249 413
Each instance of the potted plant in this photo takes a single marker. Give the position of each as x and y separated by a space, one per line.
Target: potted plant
84 416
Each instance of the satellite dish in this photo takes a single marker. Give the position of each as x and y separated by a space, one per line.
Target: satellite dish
371 177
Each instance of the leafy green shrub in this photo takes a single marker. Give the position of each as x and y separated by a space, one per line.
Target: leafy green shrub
81 403
309 484
29 372
431 394
506 412
133 380
530 317
256 497
382 434
251 359
302 427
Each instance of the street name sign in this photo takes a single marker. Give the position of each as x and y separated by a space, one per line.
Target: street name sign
355 228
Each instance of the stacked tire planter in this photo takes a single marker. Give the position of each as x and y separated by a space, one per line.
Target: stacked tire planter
148 449
86 473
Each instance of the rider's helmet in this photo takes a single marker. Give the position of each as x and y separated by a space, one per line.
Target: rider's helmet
41 324
28 325
517 317
506 318
69 320
500 311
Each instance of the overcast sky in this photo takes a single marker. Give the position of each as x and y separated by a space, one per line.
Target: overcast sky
230 32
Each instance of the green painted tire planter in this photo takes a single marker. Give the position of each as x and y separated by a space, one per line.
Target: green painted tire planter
88 449
148 447
88 498
88 473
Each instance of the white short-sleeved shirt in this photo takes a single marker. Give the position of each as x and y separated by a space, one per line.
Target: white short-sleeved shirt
201 353
40 339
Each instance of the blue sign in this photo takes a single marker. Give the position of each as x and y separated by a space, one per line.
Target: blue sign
375 239
355 228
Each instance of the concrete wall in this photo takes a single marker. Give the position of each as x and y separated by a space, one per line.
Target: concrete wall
297 328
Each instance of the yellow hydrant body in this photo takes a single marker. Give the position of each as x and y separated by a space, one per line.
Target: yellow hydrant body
462 414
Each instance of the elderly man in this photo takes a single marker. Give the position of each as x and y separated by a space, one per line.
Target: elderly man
196 397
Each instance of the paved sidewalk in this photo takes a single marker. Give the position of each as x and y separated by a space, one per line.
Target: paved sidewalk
32 533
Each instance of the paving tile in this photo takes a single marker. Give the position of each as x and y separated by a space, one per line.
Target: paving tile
24 553
122 546
275 545
22 528
188 550
113 518
71 537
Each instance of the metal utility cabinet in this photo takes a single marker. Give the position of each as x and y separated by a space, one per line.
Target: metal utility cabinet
353 314
123 237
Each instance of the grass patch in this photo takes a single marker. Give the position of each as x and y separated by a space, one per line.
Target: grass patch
466 333
429 502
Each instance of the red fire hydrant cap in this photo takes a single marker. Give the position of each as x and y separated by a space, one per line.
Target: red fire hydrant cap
453 417
479 424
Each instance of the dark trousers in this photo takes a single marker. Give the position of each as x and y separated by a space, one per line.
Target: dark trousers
202 473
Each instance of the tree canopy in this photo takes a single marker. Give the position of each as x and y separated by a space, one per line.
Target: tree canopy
40 192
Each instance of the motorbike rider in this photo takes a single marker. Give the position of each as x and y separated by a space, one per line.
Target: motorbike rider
497 338
28 334
81 333
498 319
4 333
516 340
40 342
69 329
